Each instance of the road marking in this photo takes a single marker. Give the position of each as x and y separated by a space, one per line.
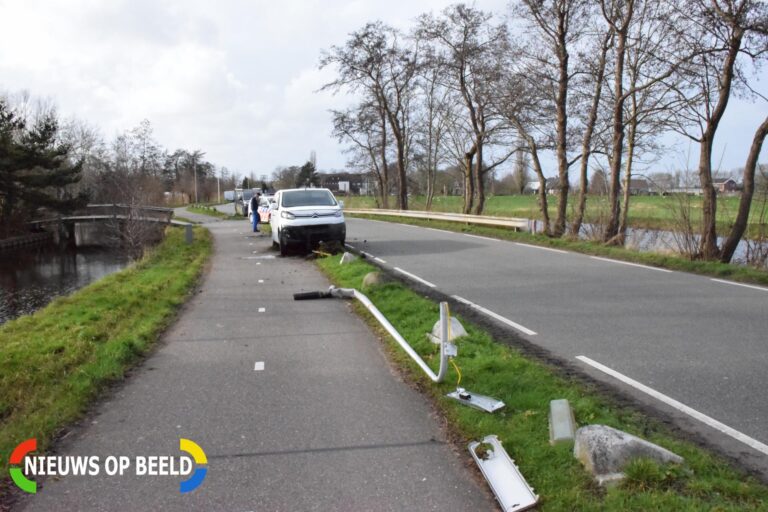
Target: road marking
441 230
496 316
741 284
463 300
630 264
259 366
262 310
415 277
725 429
380 260
482 237
542 248
261 280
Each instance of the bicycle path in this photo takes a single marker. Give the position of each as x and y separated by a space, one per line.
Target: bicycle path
293 403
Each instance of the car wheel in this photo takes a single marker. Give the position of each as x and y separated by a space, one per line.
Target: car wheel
283 245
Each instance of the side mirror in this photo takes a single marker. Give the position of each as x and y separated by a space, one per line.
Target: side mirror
341 204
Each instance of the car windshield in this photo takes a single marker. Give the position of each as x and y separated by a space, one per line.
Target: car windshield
264 201
308 198
247 195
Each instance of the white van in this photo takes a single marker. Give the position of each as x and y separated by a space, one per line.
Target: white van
306 216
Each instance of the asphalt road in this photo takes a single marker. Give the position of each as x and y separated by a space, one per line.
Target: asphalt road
293 403
698 341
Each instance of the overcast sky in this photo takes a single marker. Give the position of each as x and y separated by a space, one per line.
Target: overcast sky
236 79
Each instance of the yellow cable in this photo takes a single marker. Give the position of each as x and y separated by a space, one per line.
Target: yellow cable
457 371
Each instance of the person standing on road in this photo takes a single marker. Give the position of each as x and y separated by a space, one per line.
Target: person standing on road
253 206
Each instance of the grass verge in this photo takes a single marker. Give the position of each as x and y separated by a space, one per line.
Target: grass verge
733 272
211 211
704 482
54 362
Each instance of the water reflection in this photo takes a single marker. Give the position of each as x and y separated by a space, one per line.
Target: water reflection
31 278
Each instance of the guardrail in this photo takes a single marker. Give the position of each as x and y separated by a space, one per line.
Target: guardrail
510 222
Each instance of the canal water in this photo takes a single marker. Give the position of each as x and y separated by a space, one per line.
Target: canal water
31 277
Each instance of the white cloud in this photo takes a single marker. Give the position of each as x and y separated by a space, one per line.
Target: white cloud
235 79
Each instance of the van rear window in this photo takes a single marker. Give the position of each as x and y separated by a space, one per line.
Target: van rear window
308 198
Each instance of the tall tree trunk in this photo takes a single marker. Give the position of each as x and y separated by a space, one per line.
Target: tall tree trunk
622 235
384 164
745 203
543 206
469 180
586 141
617 139
479 180
561 106
631 141
402 202
708 243
430 168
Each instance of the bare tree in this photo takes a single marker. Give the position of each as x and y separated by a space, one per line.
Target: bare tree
433 118
724 37
595 74
472 51
745 203
377 61
556 26
365 127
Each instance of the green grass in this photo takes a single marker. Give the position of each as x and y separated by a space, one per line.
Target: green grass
212 212
734 272
704 482
648 212
54 362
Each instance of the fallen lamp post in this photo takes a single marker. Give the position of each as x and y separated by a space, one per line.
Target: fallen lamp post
447 349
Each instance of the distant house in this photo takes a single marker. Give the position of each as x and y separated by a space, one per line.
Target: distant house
553 186
638 187
725 185
345 183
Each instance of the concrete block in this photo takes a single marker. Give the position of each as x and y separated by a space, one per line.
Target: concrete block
347 257
605 452
562 425
374 279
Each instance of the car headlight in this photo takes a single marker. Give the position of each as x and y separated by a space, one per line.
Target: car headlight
338 213
287 215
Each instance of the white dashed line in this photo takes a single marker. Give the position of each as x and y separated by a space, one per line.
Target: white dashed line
496 316
261 281
440 230
259 366
741 284
725 429
415 277
540 247
380 260
262 310
482 237
631 264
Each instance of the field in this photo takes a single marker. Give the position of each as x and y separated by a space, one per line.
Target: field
649 212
